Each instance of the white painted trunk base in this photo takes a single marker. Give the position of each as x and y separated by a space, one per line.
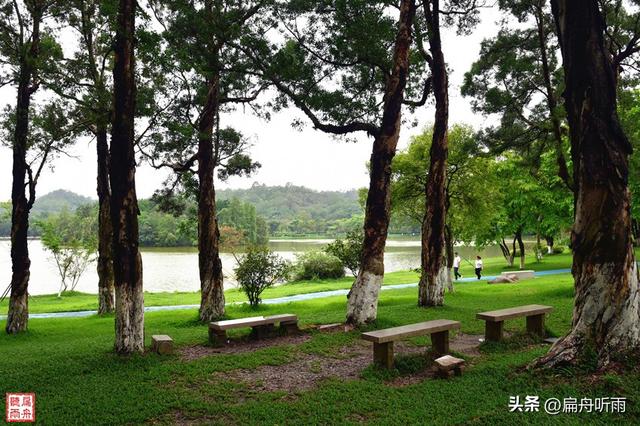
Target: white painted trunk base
363 298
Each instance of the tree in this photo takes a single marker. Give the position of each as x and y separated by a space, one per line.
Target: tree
435 273
127 262
514 69
348 250
607 295
71 239
207 73
84 80
27 49
258 270
367 94
472 191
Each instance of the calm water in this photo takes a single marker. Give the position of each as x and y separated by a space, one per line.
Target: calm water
176 269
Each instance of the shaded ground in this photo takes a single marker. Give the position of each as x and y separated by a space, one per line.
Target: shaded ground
308 370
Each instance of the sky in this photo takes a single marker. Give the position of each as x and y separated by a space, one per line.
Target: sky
308 158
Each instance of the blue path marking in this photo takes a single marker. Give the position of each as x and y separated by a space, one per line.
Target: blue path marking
278 300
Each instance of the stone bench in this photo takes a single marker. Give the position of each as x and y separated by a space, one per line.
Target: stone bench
448 364
495 320
161 344
521 275
383 339
261 326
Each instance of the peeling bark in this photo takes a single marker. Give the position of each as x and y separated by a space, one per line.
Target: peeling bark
363 297
434 263
607 297
127 262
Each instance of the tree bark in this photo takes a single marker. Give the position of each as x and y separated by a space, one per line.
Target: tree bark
18 314
211 276
363 297
550 243
105 230
434 263
521 247
607 299
449 250
127 262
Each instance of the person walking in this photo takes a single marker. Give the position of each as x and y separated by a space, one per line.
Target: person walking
478 267
456 266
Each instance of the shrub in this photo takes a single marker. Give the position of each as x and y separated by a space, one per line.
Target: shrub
558 249
258 270
348 250
318 265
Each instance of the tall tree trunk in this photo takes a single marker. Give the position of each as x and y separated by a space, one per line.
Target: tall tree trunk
434 263
552 103
105 230
211 277
550 242
607 298
127 262
18 315
521 247
363 297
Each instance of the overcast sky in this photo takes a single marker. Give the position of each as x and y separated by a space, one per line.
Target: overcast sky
309 158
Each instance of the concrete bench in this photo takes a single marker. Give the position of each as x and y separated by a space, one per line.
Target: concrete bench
383 339
261 326
522 275
495 320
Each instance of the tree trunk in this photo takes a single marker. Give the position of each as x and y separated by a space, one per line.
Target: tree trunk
505 252
563 170
211 277
449 250
105 230
521 247
363 297
18 314
607 298
550 242
127 262
434 263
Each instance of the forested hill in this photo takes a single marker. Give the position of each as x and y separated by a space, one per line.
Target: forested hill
294 202
56 201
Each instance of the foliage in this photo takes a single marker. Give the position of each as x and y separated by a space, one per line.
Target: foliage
72 240
348 250
314 265
258 270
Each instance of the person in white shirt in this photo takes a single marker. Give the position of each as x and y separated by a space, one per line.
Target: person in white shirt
478 267
456 265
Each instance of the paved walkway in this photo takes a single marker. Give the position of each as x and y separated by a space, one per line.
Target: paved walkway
278 300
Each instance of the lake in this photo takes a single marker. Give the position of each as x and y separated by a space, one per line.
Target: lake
176 269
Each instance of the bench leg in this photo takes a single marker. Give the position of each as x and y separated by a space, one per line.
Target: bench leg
535 325
289 327
262 331
217 337
440 342
383 354
493 330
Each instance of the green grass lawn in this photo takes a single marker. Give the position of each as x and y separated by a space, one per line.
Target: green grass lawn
77 379
75 301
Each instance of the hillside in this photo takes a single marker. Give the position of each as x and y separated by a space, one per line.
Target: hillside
57 200
290 202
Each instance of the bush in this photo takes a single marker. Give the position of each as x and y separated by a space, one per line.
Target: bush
318 265
258 270
558 249
348 250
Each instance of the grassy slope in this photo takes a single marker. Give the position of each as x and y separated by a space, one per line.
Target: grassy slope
82 301
77 380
